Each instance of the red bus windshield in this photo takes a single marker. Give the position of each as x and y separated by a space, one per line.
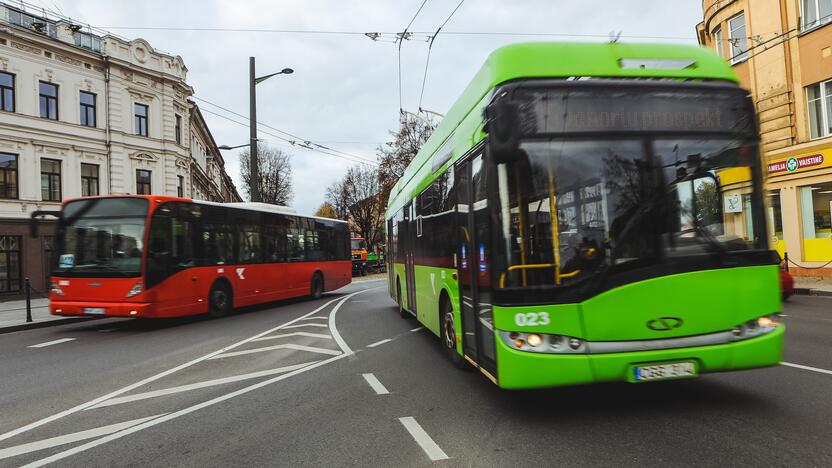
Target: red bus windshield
102 237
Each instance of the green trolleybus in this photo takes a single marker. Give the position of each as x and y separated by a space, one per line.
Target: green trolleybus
589 213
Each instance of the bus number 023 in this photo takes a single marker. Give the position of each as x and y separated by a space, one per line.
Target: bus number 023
531 319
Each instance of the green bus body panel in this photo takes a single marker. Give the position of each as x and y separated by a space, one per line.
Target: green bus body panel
522 370
706 301
543 60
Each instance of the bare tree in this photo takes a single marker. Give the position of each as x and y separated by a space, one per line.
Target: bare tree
394 156
356 197
337 196
275 175
326 210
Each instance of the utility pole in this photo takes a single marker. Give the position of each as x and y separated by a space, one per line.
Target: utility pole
254 176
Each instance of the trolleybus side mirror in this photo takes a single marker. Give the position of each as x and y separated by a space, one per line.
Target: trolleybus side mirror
503 127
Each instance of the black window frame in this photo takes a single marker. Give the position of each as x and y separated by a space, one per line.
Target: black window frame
141 184
12 282
47 99
7 105
4 178
87 115
177 129
141 123
52 179
87 181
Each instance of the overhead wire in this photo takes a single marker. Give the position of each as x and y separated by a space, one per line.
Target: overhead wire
292 135
402 37
430 47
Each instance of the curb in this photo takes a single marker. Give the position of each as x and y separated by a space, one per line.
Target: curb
44 324
811 292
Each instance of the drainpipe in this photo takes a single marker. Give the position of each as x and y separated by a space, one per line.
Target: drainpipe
106 59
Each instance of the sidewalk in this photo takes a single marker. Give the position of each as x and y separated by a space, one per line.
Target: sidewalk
13 315
813 286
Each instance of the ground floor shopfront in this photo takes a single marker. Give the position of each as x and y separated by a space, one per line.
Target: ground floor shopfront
23 257
799 206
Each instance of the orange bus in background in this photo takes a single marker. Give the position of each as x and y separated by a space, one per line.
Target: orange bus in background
155 256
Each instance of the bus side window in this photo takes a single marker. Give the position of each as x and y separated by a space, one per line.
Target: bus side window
250 245
217 244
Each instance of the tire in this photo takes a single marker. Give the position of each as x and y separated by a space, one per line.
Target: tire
316 290
220 300
402 312
447 332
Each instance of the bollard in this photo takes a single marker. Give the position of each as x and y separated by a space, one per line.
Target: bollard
28 287
786 260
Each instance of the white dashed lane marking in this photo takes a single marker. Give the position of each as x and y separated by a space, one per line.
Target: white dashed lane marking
417 329
375 384
379 343
50 343
432 450
809 368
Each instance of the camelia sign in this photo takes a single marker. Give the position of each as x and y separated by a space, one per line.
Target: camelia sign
797 163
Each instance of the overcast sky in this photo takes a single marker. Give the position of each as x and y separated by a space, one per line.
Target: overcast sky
344 91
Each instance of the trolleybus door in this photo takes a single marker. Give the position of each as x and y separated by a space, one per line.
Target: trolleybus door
410 246
474 263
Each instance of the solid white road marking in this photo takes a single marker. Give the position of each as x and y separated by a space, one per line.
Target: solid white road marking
331 352
160 375
191 409
317 317
321 325
813 369
287 335
416 329
70 438
379 343
194 386
50 343
375 384
433 451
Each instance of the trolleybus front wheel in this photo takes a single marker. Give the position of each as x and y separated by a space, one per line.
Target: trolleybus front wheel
448 334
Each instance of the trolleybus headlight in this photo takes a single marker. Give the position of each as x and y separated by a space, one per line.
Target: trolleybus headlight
136 289
534 340
574 343
767 321
738 330
756 327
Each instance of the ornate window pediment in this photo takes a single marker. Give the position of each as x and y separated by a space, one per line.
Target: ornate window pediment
144 156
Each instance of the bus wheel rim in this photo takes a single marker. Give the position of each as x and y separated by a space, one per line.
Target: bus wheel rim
220 299
450 331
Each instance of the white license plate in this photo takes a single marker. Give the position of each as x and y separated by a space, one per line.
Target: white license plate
676 370
94 310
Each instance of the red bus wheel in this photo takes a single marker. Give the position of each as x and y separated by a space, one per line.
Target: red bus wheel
317 288
219 300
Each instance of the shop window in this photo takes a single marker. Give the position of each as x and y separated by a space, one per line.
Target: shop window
774 215
10 263
816 210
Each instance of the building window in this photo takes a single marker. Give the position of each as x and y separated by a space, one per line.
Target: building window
6 92
50 179
89 180
142 182
10 263
180 186
140 113
815 13
8 176
775 215
87 41
48 100
816 210
819 98
718 45
738 38
178 129
87 109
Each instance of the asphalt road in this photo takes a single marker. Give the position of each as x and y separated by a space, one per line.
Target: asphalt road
344 381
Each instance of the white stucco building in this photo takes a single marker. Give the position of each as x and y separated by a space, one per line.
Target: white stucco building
86 114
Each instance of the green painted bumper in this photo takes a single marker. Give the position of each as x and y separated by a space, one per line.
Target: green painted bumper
520 369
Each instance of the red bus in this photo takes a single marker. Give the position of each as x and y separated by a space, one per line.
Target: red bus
154 256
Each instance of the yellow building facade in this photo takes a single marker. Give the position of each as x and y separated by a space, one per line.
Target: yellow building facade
782 52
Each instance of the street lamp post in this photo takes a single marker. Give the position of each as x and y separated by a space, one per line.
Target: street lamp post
254 175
